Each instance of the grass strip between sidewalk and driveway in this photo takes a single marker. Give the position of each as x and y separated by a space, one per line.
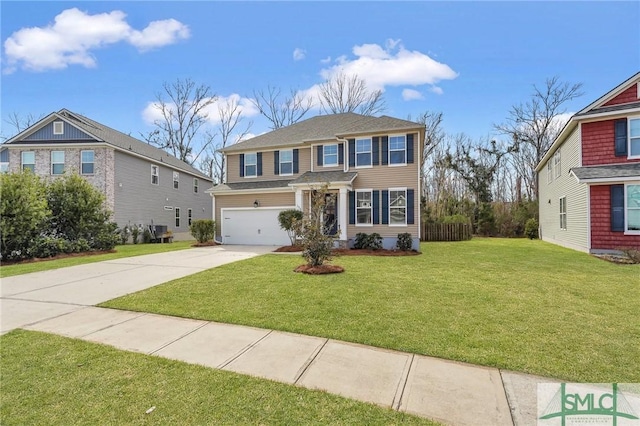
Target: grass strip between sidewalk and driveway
515 304
54 380
129 250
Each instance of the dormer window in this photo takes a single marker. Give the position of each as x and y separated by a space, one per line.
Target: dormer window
58 127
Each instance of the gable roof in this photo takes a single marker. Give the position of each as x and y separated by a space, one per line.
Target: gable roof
323 128
606 173
106 134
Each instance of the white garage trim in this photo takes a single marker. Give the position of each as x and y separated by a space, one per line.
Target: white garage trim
253 226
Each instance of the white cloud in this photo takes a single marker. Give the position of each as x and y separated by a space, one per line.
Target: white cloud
391 66
411 95
74 34
299 54
437 90
325 60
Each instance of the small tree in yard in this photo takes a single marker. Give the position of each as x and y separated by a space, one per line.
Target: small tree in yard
203 230
312 229
289 220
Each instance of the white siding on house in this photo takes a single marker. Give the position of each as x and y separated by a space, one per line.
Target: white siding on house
576 236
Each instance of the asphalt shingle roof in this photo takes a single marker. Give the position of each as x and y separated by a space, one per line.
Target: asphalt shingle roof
252 184
607 171
323 127
612 108
328 176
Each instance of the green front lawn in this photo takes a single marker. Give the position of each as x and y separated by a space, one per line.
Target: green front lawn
51 380
128 250
520 305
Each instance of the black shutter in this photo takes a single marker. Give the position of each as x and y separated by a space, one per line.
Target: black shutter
241 165
276 162
385 150
617 207
259 161
376 207
320 152
620 138
352 207
296 160
341 153
375 151
410 209
410 148
352 152
385 207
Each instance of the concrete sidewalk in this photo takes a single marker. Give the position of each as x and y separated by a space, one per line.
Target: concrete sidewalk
451 392
26 299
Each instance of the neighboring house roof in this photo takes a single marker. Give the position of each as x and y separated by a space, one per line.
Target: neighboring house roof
113 137
319 178
606 172
322 128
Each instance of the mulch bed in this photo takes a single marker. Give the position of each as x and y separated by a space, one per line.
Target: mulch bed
58 256
353 252
319 270
289 249
207 244
613 258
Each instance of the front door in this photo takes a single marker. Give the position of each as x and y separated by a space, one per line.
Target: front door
330 214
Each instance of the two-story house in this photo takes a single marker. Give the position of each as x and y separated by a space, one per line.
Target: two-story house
142 185
371 166
589 179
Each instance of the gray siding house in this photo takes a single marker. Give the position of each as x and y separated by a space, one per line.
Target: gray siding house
143 185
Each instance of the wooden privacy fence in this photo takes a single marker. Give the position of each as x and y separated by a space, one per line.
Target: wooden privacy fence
446 231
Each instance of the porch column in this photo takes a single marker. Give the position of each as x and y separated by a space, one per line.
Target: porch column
299 198
343 206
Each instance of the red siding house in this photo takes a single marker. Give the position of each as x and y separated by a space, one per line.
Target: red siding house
589 179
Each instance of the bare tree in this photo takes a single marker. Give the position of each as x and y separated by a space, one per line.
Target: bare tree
534 125
343 93
20 123
183 107
230 118
279 109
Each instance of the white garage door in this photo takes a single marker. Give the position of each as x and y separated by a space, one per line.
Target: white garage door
253 227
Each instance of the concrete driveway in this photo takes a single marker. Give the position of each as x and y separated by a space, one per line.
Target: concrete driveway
30 298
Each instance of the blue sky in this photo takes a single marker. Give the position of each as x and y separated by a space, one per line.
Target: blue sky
469 60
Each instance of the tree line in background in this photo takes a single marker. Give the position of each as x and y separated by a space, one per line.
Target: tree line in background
490 183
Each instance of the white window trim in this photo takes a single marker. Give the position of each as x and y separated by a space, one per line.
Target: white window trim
404 163
93 162
365 225
626 210
58 127
406 209
22 163
176 179
364 166
561 213
629 119
324 156
52 163
196 184
557 164
250 164
280 163
550 170
177 216
157 174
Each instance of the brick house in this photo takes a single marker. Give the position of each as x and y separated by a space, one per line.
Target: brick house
589 179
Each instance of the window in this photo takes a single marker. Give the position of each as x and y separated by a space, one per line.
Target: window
195 185
251 164
4 161
155 174
634 137
177 217
86 162
57 162
363 152
633 207
549 171
189 215
330 155
556 164
397 207
58 127
563 213
398 149
286 162
364 208
29 160
176 180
